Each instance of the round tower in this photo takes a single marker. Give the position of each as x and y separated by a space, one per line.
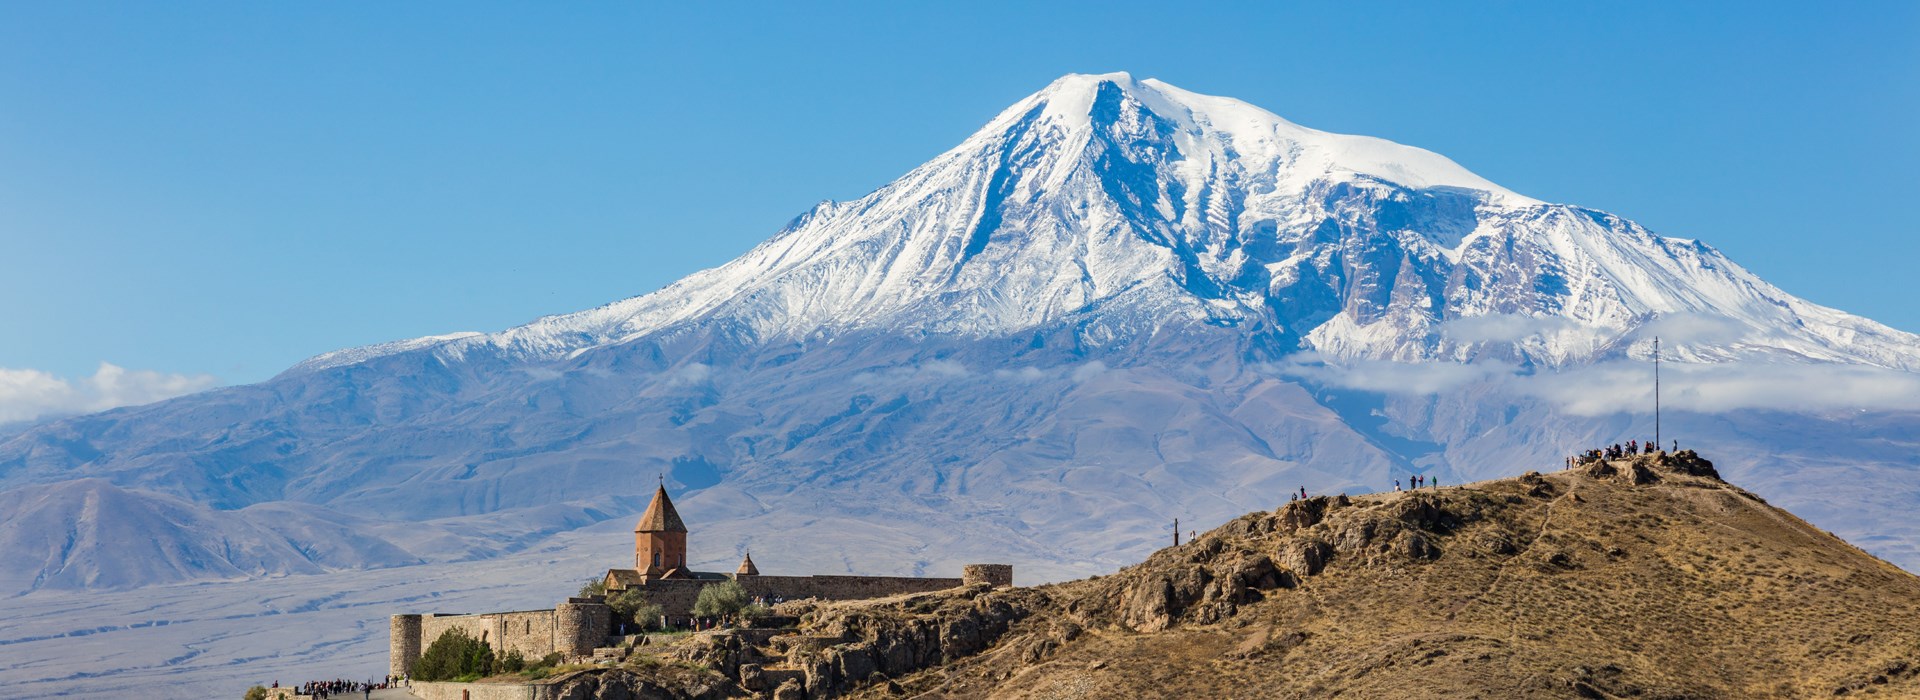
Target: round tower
580 625
403 643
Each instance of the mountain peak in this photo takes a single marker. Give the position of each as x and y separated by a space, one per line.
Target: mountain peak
1207 128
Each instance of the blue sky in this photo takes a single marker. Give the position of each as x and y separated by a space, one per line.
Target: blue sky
210 192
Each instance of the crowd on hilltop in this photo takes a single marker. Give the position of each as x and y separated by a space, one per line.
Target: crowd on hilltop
1617 451
341 688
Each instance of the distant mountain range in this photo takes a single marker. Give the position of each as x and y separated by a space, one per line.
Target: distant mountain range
1116 304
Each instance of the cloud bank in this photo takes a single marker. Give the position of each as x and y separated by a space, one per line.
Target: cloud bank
31 394
1625 386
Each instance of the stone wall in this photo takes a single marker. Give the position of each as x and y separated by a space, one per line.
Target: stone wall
577 626
842 587
480 691
677 596
533 633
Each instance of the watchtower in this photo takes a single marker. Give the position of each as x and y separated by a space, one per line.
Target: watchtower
660 539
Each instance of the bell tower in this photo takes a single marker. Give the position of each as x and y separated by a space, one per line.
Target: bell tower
660 539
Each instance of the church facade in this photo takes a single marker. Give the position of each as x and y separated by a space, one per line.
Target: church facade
577 626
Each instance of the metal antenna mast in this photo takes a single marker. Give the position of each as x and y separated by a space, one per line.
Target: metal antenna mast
1656 392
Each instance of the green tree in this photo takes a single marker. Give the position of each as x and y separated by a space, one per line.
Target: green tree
755 612
721 599
510 662
632 605
593 587
256 693
453 655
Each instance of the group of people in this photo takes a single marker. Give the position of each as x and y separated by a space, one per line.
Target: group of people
1418 480
337 687
1617 451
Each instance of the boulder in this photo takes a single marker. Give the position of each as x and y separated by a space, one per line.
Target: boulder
1639 475
1305 557
1149 607
1303 514
790 690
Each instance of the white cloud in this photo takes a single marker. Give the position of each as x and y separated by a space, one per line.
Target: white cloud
1682 328
1626 386
1386 376
933 371
1088 371
31 394
1617 387
1024 374
1507 328
690 374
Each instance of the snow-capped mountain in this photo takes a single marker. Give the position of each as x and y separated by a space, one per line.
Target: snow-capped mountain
1116 304
1125 206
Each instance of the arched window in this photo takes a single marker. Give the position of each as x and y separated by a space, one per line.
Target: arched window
656 558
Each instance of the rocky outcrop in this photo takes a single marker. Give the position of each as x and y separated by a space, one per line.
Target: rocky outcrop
1642 470
840 647
626 684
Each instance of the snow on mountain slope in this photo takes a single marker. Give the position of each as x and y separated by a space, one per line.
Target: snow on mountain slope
1101 223
1127 206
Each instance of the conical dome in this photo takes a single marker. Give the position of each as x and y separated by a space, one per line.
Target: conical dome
660 515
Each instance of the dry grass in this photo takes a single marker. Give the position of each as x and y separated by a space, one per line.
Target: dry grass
1586 587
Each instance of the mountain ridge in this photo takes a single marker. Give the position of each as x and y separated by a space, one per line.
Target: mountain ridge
1106 199
1087 318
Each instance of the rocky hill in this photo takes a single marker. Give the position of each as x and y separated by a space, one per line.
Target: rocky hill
1643 578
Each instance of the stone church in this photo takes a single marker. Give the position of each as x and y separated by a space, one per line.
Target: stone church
576 626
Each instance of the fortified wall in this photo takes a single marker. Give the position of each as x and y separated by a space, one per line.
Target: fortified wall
577 626
676 596
574 628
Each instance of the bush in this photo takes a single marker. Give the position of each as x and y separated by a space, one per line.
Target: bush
721 599
633 606
511 662
452 656
593 587
256 693
754 612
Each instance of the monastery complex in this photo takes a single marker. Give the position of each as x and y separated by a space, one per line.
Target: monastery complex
577 626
